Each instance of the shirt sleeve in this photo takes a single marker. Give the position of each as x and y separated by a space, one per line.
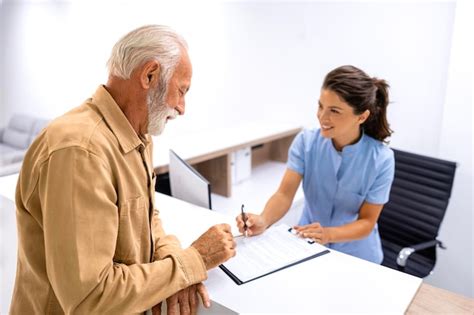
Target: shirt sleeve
296 154
80 223
380 190
165 245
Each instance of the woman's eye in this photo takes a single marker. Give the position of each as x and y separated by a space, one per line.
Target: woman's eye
334 111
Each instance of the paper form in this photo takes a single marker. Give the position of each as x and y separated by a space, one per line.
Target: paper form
268 252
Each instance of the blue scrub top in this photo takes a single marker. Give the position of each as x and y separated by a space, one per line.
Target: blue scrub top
335 184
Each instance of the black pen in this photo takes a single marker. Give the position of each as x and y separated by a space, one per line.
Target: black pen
244 219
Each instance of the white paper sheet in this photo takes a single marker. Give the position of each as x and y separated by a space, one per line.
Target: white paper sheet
262 254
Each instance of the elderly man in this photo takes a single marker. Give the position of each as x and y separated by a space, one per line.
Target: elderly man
90 241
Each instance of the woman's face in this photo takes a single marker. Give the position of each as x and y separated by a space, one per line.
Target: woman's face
337 119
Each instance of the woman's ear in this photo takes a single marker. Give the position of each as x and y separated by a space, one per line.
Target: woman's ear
364 116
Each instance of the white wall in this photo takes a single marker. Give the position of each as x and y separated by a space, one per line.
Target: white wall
252 61
56 52
2 65
282 51
454 269
255 61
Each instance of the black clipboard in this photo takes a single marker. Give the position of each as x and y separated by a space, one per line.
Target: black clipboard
240 282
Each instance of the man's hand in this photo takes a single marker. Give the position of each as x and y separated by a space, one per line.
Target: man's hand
185 301
314 231
216 245
255 224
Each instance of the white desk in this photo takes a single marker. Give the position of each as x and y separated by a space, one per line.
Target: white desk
209 151
332 283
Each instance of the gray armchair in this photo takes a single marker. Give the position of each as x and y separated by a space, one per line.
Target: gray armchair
15 139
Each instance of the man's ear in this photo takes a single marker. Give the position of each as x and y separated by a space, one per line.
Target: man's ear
363 117
150 74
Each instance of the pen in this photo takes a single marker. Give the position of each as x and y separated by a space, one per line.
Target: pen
244 219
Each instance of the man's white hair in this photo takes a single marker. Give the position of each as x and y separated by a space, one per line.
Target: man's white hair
150 42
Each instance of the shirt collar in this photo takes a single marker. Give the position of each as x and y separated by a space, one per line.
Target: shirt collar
353 148
116 120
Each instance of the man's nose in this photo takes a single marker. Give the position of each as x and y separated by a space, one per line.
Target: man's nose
181 109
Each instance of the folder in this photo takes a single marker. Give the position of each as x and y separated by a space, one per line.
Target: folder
276 249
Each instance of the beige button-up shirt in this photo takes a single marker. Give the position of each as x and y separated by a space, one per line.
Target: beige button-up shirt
89 239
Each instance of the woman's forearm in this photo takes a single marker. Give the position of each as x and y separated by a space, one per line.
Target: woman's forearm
349 232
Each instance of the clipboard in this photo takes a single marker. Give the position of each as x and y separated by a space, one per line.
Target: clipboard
254 261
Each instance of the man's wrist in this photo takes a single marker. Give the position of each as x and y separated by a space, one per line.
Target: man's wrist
203 258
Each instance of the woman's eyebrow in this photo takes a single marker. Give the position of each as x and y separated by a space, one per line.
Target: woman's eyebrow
332 107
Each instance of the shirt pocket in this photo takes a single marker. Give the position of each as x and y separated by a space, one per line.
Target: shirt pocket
133 216
346 206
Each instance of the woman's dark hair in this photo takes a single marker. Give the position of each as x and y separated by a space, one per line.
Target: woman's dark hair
362 92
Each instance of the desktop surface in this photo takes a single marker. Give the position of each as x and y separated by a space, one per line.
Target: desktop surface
336 283
332 283
201 145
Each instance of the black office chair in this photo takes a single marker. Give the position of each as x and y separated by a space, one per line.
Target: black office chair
410 221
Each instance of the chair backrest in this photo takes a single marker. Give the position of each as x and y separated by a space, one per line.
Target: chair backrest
418 199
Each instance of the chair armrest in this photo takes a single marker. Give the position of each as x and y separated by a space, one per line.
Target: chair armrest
405 252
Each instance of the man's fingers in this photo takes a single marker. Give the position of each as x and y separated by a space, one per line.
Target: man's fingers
183 298
216 245
172 306
193 299
224 227
202 291
156 310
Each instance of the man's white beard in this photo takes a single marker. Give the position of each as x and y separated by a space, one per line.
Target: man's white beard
158 112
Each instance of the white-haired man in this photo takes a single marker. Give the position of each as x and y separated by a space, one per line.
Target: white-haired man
90 241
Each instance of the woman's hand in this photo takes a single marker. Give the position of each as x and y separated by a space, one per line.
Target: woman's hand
315 232
256 224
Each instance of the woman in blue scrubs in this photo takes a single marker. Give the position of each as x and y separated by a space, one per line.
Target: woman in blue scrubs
346 168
